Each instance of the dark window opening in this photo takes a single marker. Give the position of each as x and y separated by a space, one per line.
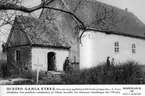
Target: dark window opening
18 55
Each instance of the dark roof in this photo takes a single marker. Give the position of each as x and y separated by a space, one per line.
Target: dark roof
91 13
42 33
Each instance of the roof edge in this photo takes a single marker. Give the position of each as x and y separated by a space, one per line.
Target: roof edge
117 33
51 46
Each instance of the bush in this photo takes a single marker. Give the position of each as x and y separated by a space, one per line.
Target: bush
123 73
4 69
8 70
53 80
44 78
50 78
28 74
2 63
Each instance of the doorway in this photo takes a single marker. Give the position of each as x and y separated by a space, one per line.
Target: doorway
51 61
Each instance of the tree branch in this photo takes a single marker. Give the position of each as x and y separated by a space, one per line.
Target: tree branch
8 6
82 27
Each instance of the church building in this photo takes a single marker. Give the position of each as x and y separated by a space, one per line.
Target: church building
47 41
35 43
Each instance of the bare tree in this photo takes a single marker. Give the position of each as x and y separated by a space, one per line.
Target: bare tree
102 15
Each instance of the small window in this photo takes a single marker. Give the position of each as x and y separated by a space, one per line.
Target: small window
116 47
133 48
18 55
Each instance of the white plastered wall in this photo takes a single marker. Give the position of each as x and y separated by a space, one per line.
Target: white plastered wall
41 54
97 46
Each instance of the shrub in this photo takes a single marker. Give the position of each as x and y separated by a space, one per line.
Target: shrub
2 63
123 73
44 78
7 70
50 78
72 77
4 69
28 74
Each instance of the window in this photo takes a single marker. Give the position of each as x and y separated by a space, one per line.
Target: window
133 48
18 55
116 45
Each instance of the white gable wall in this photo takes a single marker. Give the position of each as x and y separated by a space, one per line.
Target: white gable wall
41 53
97 46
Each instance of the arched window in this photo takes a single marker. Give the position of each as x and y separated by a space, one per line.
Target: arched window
116 47
18 55
133 48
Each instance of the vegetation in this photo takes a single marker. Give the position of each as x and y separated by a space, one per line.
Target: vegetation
44 78
124 73
4 72
127 73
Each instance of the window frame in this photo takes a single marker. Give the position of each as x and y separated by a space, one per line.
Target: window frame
133 48
116 47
